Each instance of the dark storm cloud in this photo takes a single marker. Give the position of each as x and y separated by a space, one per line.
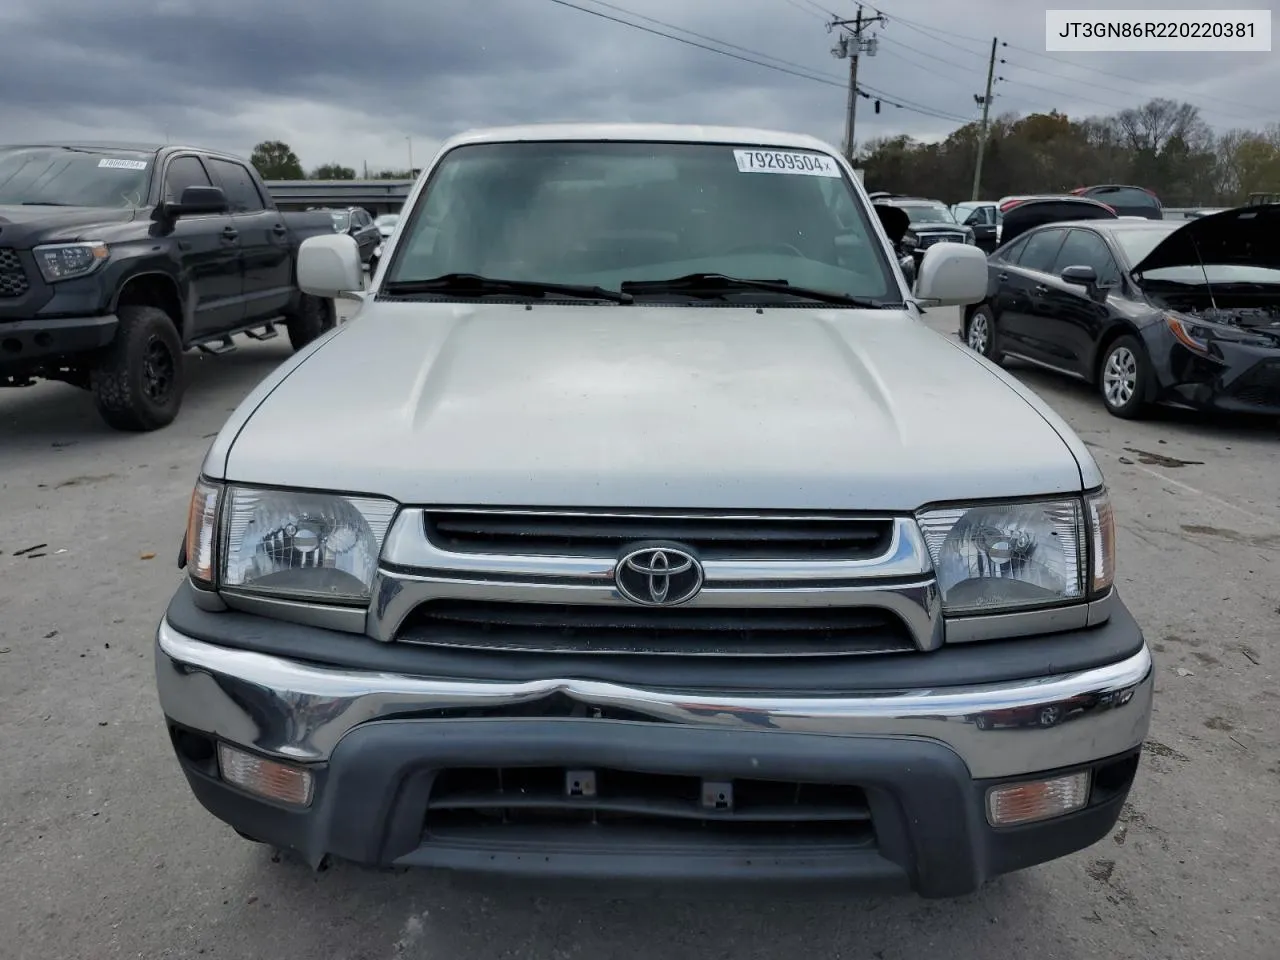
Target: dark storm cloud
376 79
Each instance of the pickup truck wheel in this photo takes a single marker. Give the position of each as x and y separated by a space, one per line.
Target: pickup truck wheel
314 317
138 382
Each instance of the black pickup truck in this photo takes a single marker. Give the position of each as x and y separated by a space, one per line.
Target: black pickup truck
117 259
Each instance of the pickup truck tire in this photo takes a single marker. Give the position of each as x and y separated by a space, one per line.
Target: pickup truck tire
137 383
314 316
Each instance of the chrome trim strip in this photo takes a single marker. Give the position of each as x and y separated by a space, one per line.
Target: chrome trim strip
395 595
407 546
1100 609
300 711
1019 623
322 615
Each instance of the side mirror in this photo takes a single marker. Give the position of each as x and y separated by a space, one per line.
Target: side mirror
196 201
952 275
329 267
1080 276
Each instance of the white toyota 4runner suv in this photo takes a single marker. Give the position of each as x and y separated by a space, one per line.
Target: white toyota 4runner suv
646 533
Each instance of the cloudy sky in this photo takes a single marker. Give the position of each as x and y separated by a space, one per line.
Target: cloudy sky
373 81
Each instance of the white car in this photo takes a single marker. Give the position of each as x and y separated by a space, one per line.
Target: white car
641 529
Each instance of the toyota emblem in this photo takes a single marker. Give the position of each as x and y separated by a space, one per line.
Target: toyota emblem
658 575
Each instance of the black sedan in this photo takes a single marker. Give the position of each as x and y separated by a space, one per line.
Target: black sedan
1185 313
356 222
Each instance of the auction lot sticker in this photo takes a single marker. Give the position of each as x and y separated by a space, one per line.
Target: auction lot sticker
786 161
113 164
1171 31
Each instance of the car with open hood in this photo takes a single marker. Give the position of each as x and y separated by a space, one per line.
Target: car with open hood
1178 312
632 530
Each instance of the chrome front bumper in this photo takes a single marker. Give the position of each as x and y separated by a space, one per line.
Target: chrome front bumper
298 711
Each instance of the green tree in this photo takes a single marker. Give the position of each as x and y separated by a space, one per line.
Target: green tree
274 160
333 171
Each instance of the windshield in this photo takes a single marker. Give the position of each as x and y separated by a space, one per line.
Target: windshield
601 213
74 177
928 213
341 220
387 220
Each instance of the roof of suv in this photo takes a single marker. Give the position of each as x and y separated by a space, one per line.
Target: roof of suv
641 132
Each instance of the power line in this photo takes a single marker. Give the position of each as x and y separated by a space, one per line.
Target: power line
755 58
1120 76
700 46
949 40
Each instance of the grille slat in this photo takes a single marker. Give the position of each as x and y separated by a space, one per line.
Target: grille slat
13 279
688 631
745 538
504 802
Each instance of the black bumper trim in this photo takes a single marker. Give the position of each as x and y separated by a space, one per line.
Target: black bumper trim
927 813
28 344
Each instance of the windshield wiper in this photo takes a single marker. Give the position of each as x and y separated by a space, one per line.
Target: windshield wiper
475 285
43 203
717 284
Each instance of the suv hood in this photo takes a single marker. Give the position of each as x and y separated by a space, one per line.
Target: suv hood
644 407
21 226
1245 236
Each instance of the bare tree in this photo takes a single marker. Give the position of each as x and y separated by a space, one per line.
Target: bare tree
1151 126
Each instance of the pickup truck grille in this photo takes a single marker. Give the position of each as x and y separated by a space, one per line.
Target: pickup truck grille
501 804
568 628
13 279
939 236
515 583
784 538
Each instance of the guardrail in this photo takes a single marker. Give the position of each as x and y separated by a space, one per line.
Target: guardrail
1184 213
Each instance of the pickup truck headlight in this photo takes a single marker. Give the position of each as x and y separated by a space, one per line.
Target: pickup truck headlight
67 261
288 544
1001 557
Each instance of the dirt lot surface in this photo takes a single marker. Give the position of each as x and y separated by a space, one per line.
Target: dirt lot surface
106 855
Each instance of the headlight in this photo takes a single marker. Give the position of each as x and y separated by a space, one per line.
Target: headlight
1196 334
290 544
66 261
1000 557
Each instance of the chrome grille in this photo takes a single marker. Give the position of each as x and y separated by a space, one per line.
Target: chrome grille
929 239
516 582
13 279
569 628
586 534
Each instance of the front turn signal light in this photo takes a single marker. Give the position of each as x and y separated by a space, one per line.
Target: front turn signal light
1102 535
202 524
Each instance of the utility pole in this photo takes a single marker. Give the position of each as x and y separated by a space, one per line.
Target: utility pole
409 141
985 100
850 46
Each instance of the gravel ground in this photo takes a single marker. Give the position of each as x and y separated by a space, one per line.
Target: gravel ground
106 854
